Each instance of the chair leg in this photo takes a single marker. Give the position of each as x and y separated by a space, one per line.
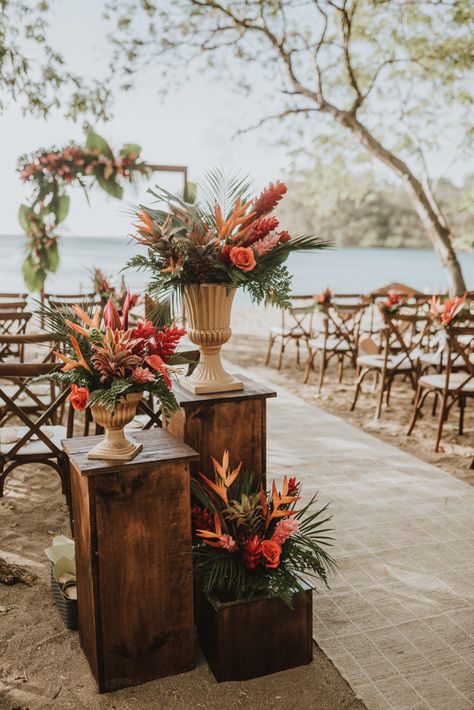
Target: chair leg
322 371
462 406
340 369
297 351
2 477
358 383
309 365
441 420
389 389
280 356
378 410
269 351
414 416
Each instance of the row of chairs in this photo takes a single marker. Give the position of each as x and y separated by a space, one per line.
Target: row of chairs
383 345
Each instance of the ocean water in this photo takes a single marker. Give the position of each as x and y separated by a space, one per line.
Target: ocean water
343 270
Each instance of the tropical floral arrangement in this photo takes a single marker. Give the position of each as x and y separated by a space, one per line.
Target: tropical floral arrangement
324 298
50 173
104 287
446 312
104 359
250 542
225 237
395 300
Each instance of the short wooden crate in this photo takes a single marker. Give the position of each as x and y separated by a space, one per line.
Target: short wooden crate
251 638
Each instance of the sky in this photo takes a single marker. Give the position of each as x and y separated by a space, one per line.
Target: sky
193 126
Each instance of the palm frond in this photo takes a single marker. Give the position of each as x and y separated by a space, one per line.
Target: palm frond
222 189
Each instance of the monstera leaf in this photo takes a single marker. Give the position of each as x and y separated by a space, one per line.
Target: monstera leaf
23 213
110 186
51 257
96 142
34 278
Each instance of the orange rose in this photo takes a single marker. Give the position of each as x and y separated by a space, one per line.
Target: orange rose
243 258
271 552
79 397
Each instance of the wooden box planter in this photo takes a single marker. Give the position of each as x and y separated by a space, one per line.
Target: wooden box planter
251 638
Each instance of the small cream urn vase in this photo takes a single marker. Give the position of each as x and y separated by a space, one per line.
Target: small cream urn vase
208 308
115 445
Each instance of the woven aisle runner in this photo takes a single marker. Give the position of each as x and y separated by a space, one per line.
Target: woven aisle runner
398 621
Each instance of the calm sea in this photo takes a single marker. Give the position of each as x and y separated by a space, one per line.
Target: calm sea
348 270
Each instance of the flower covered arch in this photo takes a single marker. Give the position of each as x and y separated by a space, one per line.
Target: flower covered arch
51 172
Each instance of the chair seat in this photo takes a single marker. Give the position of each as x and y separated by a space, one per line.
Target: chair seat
9 435
334 344
434 359
439 382
399 362
287 333
138 422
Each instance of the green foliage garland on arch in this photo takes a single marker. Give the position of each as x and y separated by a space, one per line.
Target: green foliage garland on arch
51 172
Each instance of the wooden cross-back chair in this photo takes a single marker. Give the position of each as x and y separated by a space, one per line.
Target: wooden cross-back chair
12 323
33 397
14 306
453 386
36 439
296 325
403 339
338 339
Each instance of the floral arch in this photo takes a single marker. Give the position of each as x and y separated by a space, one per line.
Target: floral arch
51 172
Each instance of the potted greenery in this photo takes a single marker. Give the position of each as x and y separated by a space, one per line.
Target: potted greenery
109 366
205 251
254 553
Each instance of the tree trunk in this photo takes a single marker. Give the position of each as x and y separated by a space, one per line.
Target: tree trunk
437 231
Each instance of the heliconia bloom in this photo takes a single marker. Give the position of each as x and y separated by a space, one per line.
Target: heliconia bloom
141 375
157 363
125 310
269 198
228 543
284 529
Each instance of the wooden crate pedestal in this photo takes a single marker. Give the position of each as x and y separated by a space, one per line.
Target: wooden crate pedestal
132 525
236 421
248 639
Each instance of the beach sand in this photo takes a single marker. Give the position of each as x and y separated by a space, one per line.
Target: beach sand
42 665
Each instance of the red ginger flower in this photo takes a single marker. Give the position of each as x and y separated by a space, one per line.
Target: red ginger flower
145 329
293 486
252 553
269 198
260 229
166 342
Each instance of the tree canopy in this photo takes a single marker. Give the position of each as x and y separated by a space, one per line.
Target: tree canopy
395 74
34 75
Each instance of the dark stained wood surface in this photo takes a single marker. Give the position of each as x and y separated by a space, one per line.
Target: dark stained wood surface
158 445
257 637
235 421
252 390
133 560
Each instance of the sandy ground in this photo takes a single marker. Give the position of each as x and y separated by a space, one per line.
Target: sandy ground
42 665
456 452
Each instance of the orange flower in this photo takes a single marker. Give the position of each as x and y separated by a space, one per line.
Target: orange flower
243 258
271 552
157 363
146 225
93 322
71 364
278 500
79 397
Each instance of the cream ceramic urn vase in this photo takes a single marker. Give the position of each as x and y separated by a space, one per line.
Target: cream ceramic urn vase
115 445
208 309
